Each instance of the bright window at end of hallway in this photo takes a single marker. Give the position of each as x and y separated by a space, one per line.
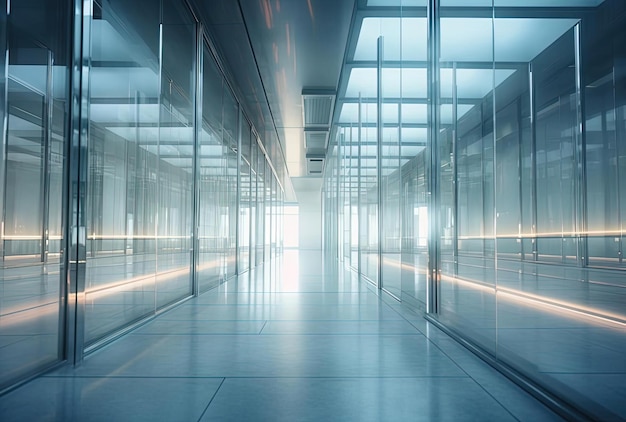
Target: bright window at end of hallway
292 226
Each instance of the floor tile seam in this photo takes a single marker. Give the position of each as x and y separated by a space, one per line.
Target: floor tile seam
253 334
285 304
390 377
583 373
402 317
269 292
290 320
417 334
168 377
217 377
460 366
211 401
347 334
506 409
196 334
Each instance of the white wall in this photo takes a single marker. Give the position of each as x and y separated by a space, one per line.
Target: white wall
308 191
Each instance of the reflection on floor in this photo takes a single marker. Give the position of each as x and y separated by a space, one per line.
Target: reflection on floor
293 341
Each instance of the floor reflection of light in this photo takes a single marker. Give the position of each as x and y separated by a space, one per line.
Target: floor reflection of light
131 283
291 271
39 313
562 308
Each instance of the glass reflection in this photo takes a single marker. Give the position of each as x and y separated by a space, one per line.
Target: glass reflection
33 112
529 139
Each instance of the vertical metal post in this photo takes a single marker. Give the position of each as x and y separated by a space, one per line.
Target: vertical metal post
5 6
580 157
520 178
197 124
455 170
238 219
432 285
533 164
75 233
45 173
359 187
379 158
619 134
339 202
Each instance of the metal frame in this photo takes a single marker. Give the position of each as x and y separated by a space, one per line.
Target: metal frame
75 234
379 155
580 158
195 246
4 117
434 261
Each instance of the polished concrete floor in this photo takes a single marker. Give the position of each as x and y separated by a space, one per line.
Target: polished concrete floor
293 341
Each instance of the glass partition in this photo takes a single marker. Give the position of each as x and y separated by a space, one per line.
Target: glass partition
254 153
466 174
260 210
34 105
213 224
243 245
231 185
176 146
516 203
124 112
141 147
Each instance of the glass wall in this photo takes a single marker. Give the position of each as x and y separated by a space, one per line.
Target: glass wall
213 180
245 196
34 104
129 138
140 176
379 152
497 167
230 138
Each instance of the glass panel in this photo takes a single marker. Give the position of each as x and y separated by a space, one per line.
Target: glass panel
243 263
230 133
176 145
212 161
122 169
389 148
33 112
539 124
140 164
260 209
268 211
466 177
254 152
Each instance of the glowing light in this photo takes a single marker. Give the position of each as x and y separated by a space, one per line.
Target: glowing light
563 308
267 13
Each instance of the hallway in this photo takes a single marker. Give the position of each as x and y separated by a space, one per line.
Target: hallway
298 342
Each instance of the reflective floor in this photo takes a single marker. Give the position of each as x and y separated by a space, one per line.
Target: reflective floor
292 341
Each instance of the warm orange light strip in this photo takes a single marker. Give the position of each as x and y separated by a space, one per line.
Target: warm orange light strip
563 307
566 311
545 234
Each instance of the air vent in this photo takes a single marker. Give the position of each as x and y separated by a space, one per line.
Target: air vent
315 139
318 107
315 165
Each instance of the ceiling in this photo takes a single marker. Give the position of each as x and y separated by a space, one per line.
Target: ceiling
275 50
278 49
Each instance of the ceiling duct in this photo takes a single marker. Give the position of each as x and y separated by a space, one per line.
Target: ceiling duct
317 107
315 139
315 165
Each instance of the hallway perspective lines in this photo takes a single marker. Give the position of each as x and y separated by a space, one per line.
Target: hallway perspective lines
307 344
